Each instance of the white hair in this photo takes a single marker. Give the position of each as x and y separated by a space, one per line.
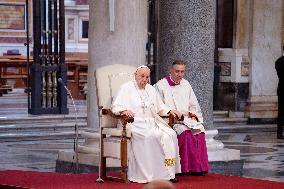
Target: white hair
142 66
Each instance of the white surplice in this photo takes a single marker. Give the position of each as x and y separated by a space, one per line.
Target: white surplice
153 152
182 98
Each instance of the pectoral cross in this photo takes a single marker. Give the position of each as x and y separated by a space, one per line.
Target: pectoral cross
144 101
111 15
143 105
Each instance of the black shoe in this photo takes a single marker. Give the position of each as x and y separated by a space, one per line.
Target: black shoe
180 174
280 136
174 180
202 173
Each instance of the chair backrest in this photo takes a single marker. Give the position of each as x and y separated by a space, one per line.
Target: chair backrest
108 80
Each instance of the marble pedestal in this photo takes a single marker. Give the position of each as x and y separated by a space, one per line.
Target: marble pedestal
222 160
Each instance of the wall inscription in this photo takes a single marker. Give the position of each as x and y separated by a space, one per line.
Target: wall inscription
12 17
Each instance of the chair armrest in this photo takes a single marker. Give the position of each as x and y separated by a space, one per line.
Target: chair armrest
123 118
173 120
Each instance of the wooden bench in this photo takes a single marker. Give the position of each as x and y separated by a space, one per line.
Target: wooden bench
13 68
4 89
77 76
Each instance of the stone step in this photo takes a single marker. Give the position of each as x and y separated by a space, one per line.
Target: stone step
23 107
219 121
18 105
17 119
220 114
17 125
36 136
44 128
247 128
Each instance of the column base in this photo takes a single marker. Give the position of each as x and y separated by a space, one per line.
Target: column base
262 110
222 160
89 163
216 150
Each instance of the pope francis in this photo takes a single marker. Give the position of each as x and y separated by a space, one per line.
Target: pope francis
153 152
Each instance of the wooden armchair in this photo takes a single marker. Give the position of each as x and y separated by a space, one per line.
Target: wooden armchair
113 138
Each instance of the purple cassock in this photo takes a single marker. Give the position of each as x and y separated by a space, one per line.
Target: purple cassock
193 152
192 148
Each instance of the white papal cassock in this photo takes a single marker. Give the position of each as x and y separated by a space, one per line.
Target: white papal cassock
153 152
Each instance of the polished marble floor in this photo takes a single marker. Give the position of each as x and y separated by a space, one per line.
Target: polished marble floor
262 153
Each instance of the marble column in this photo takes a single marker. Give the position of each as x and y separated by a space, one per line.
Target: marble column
187 32
117 34
264 49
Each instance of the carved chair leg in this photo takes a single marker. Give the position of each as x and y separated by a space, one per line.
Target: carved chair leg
124 159
103 159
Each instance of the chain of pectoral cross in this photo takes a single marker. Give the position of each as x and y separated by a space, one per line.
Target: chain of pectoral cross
143 103
142 97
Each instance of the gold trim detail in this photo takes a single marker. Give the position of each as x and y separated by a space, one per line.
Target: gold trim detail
170 162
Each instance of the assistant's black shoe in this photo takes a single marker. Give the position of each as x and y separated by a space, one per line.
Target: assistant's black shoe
280 136
174 180
202 173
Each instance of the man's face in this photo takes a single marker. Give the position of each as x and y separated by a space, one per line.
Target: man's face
177 72
142 77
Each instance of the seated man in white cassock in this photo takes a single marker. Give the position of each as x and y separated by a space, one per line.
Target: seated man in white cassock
177 93
153 152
